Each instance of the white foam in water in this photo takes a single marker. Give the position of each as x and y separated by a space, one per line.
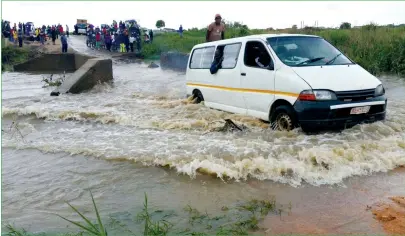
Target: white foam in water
144 119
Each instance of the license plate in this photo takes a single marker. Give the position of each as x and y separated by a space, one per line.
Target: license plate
359 110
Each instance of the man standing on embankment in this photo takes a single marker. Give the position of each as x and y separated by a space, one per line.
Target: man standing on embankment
216 30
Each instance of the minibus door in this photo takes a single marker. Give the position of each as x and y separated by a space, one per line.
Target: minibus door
257 78
228 79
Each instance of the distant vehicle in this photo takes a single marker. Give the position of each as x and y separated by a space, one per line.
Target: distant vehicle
286 79
129 22
29 29
81 21
81 26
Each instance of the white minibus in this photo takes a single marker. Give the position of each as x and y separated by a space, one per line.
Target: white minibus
289 80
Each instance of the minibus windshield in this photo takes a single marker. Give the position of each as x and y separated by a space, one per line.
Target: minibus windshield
306 51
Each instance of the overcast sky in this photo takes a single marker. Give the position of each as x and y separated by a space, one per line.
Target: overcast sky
200 14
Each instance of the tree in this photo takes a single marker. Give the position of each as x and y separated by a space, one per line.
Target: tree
294 27
370 26
243 30
160 24
345 25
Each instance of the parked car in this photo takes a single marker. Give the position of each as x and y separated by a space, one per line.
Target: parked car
288 80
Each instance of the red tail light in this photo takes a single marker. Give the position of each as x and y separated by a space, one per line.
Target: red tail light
307 95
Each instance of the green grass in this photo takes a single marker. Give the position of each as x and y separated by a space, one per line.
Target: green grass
12 55
242 219
377 49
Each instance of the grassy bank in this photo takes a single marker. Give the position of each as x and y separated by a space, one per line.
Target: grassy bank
237 219
377 49
12 55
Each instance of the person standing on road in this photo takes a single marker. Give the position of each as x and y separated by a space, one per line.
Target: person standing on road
107 40
131 42
98 40
67 31
15 37
42 37
126 40
20 38
61 29
54 34
151 35
121 41
63 40
181 31
216 30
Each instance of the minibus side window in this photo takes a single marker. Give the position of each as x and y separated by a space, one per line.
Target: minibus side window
231 53
201 58
257 56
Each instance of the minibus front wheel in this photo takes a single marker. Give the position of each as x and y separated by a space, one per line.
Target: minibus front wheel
283 118
197 95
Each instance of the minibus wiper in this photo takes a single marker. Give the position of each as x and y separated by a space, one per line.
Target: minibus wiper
310 60
333 59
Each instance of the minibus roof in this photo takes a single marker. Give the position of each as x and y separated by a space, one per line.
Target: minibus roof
242 39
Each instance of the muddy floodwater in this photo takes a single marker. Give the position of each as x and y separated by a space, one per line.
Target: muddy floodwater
140 135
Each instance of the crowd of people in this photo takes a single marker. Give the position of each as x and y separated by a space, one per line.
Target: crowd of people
122 36
17 33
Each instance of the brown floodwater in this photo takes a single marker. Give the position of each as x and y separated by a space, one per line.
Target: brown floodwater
140 135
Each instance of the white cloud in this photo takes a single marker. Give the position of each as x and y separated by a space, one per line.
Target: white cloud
200 14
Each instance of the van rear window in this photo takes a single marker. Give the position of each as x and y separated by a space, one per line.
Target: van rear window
201 58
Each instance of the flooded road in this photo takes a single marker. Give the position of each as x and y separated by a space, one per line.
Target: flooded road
116 138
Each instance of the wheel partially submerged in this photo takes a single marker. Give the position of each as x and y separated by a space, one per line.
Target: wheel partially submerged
283 119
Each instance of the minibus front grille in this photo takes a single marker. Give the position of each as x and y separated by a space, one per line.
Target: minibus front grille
355 95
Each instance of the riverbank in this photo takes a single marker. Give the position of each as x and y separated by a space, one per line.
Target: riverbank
12 54
380 50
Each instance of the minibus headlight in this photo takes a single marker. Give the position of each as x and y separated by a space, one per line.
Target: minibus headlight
317 95
379 91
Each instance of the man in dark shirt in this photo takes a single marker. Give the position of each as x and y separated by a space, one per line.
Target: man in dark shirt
63 40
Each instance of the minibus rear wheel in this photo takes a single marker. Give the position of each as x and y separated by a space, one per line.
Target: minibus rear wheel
198 96
283 118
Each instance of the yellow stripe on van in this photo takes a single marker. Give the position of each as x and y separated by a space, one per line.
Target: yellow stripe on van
244 90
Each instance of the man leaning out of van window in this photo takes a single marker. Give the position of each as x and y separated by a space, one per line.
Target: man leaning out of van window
216 30
217 63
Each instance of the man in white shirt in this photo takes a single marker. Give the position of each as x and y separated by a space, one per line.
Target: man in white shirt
131 42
